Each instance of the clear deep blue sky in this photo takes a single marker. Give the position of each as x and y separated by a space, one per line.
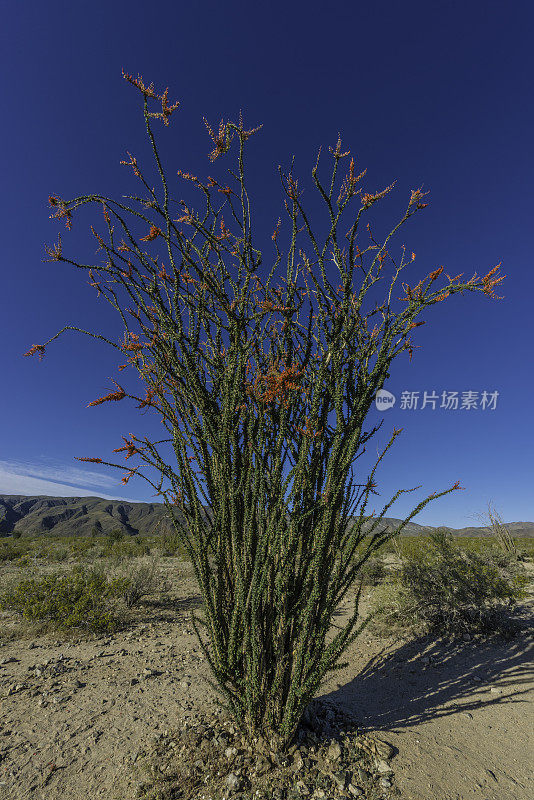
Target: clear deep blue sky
437 95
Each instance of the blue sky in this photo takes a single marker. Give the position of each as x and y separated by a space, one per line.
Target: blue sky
432 95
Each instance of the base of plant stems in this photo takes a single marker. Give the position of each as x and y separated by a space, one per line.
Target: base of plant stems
211 760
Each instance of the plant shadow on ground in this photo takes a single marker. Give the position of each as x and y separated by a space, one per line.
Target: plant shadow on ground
167 609
400 688
408 682
396 687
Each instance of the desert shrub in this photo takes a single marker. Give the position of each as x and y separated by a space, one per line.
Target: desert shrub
25 559
508 555
170 544
22 551
116 559
96 552
527 548
36 549
373 571
80 546
443 587
58 553
108 548
140 581
388 548
501 536
142 548
11 550
64 600
408 547
138 547
116 535
129 549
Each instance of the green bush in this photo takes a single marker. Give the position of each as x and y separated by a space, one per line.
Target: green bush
140 581
24 559
170 544
58 553
80 546
443 587
66 600
11 550
128 548
373 571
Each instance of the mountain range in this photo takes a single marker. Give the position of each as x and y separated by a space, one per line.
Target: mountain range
80 516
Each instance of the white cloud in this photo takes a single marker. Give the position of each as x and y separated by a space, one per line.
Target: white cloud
59 474
18 477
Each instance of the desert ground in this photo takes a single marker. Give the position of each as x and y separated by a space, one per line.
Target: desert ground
78 714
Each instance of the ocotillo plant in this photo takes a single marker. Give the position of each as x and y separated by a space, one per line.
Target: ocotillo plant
500 532
281 570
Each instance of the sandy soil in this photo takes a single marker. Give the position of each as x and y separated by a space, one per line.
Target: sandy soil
77 716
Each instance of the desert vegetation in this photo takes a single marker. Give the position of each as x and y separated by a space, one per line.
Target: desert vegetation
280 407
279 577
435 583
111 586
442 586
98 577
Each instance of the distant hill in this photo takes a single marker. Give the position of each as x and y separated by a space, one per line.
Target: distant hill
519 529
78 516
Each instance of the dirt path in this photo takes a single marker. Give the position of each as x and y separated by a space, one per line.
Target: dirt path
78 724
